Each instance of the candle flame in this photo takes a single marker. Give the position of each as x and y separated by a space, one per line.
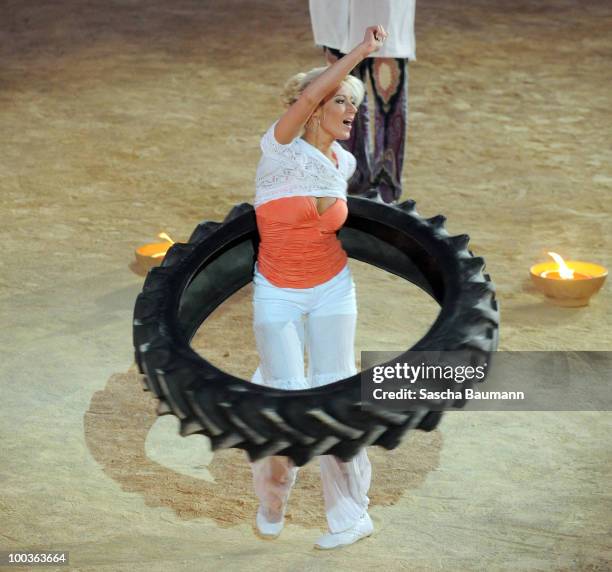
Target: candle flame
165 237
565 273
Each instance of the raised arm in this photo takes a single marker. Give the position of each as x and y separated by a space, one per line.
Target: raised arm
290 125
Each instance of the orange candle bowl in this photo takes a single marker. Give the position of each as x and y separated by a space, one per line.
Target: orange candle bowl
569 292
150 255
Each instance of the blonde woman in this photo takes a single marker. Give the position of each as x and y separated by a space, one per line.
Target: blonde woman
304 295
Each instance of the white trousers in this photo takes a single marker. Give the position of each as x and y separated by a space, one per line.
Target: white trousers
321 320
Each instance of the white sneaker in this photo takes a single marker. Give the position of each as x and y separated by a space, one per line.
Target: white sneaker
268 530
362 529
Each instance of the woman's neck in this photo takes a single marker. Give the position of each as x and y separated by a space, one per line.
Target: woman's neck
319 139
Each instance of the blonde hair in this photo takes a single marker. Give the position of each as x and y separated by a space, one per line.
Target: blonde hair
300 81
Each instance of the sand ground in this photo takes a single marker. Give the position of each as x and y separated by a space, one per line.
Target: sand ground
121 119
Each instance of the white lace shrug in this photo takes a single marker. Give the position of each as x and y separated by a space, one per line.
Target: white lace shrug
300 169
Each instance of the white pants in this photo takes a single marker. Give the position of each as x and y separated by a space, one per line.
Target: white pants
322 320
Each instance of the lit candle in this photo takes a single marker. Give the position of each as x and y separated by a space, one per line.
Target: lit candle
151 255
568 283
564 272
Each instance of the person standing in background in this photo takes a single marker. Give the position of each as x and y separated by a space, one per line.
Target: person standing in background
338 26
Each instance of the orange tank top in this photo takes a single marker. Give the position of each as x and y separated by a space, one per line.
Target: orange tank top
299 247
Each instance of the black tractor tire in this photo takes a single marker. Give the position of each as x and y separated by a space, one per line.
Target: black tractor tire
198 276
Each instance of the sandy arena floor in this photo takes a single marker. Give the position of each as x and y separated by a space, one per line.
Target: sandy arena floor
122 119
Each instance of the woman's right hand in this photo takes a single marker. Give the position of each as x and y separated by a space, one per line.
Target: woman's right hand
373 39
290 125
